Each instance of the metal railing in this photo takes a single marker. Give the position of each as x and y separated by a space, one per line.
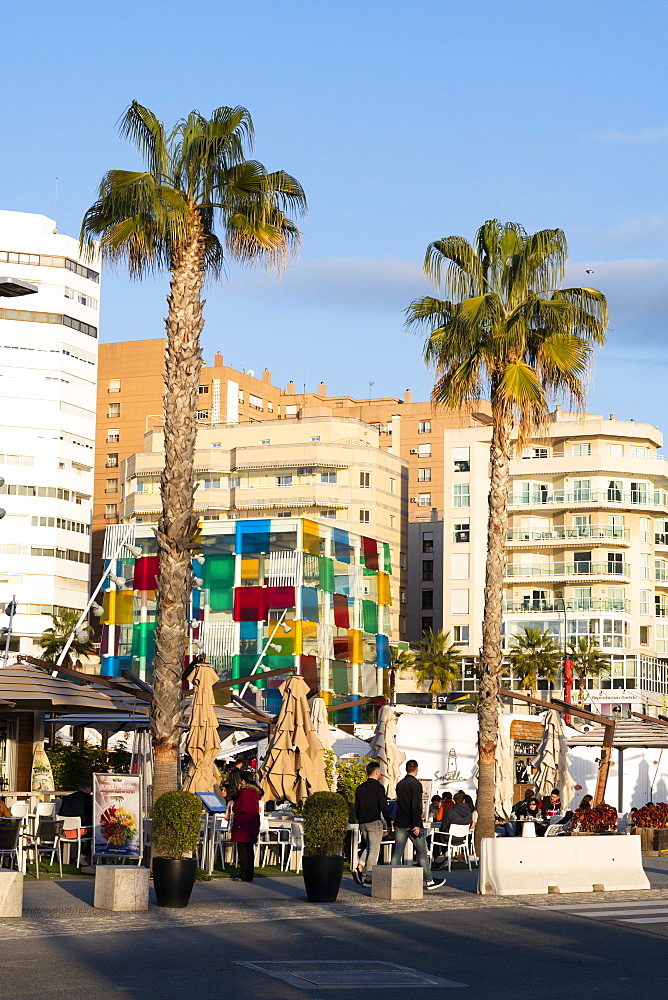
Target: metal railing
562 531
569 569
576 604
650 498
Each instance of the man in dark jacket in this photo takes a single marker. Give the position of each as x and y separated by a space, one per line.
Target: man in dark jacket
408 823
372 815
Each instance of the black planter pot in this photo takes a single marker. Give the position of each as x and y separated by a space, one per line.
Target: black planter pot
322 878
173 880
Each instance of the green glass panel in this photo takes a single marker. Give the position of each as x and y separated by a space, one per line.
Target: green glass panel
339 675
143 640
242 664
370 616
218 572
326 574
387 561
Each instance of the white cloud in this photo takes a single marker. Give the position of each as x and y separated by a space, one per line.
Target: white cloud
659 134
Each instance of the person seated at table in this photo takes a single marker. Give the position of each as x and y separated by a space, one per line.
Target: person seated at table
551 805
5 811
587 802
435 806
79 803
447 802
520 808
533 814
461 814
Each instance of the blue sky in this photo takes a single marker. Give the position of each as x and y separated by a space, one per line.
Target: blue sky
405 120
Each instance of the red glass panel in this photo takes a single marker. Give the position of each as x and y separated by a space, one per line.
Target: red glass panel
250 604
147 571
280 597
370 549
341 613
309 671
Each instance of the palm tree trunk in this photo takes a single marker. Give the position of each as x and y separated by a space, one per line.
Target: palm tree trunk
582 680
178 525
434 699
393 685
491 654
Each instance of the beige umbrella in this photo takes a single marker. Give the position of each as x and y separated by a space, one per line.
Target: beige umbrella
293 766
322 731
384 749
504 787
552 760
203 743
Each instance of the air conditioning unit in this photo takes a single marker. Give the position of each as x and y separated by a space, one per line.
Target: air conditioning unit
414 451
414 499
461 536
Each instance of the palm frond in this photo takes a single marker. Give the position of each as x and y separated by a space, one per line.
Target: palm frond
143 128
464 274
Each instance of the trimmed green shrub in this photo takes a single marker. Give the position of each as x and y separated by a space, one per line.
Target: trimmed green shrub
350 772
325 822
176 824
73 766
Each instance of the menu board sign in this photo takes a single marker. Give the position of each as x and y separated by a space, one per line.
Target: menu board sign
117 815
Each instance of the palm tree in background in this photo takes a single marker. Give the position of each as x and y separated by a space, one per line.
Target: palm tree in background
504 326
534 656
400 659
435 660
54 639
197 178
588 661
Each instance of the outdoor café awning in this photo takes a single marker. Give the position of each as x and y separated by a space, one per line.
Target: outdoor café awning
32 689
628 733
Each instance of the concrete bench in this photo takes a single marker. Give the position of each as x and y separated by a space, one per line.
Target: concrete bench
514 866
403 882
11 894
121 888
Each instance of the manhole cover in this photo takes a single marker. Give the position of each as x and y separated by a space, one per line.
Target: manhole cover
333 975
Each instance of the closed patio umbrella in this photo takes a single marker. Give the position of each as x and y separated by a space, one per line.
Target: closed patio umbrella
203 743
293 766
504 786
322 731
551 761
384 749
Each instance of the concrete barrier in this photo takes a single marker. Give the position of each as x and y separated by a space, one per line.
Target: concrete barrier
402 882
513 866
121 888
11 894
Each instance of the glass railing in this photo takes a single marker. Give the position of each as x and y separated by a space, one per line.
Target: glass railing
660 538
578 604
661 573
650 498
569 569
561 531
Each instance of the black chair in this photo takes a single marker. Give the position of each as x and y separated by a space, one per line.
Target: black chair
47 840
10 832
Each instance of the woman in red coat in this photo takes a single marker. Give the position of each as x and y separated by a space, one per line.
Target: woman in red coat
246 824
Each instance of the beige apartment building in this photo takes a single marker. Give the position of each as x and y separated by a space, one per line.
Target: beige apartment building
587 546
130 391
317 467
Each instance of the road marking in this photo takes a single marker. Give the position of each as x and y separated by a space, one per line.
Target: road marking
619 914
604 906
646 920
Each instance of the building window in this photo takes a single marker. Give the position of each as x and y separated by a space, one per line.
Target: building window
393 521
365 516
315 438
424 500
112 461
617 450
460 633
461 531
25 316
284 513
402 595
113 435
291 411
424 475
461 459
255 402
645 598
284 480
427 624
403 560
329 513
424 450
114 385
643 526
202 389
202 414
392 485
659 605
461 495
111 510
365 480
114 410
327 477
112 486
644 635
459 602
535 453
424 427
615 562
265 441
644 566
427 600
427 570
582 448
637 452
427 541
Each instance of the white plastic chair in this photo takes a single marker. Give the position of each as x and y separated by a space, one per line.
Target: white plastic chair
48 838
296 844
20 809
71 823
46 810
458 832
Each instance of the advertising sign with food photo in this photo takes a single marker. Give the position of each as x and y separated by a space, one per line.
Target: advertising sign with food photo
117 815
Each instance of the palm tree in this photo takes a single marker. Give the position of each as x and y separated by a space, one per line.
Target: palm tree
504 326
400 659
197 176
436 661
535 655
588 661
54 639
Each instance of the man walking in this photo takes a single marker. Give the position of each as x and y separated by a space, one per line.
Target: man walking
372 815
408 824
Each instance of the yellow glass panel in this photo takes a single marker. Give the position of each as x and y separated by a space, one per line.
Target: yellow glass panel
250 568
311 537
384 596
109 605
124 605
356 648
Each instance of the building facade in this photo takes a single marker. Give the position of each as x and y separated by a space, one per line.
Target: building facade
286 592
587 547
48 363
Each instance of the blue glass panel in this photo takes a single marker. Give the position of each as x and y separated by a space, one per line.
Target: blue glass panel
253 537
248 630
383 650
342 547
310 604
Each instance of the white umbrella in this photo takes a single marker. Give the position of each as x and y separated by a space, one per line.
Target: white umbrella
503 785
552 760
322 731
383 748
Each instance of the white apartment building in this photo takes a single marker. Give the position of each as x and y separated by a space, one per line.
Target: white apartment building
587 549
48 364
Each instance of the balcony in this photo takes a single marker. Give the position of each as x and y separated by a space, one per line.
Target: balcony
590 498
559 606
562 570
557 534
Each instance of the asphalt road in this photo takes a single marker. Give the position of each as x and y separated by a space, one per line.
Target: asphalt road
492 950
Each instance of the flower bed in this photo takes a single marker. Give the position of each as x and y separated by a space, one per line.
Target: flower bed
600 819
651 824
